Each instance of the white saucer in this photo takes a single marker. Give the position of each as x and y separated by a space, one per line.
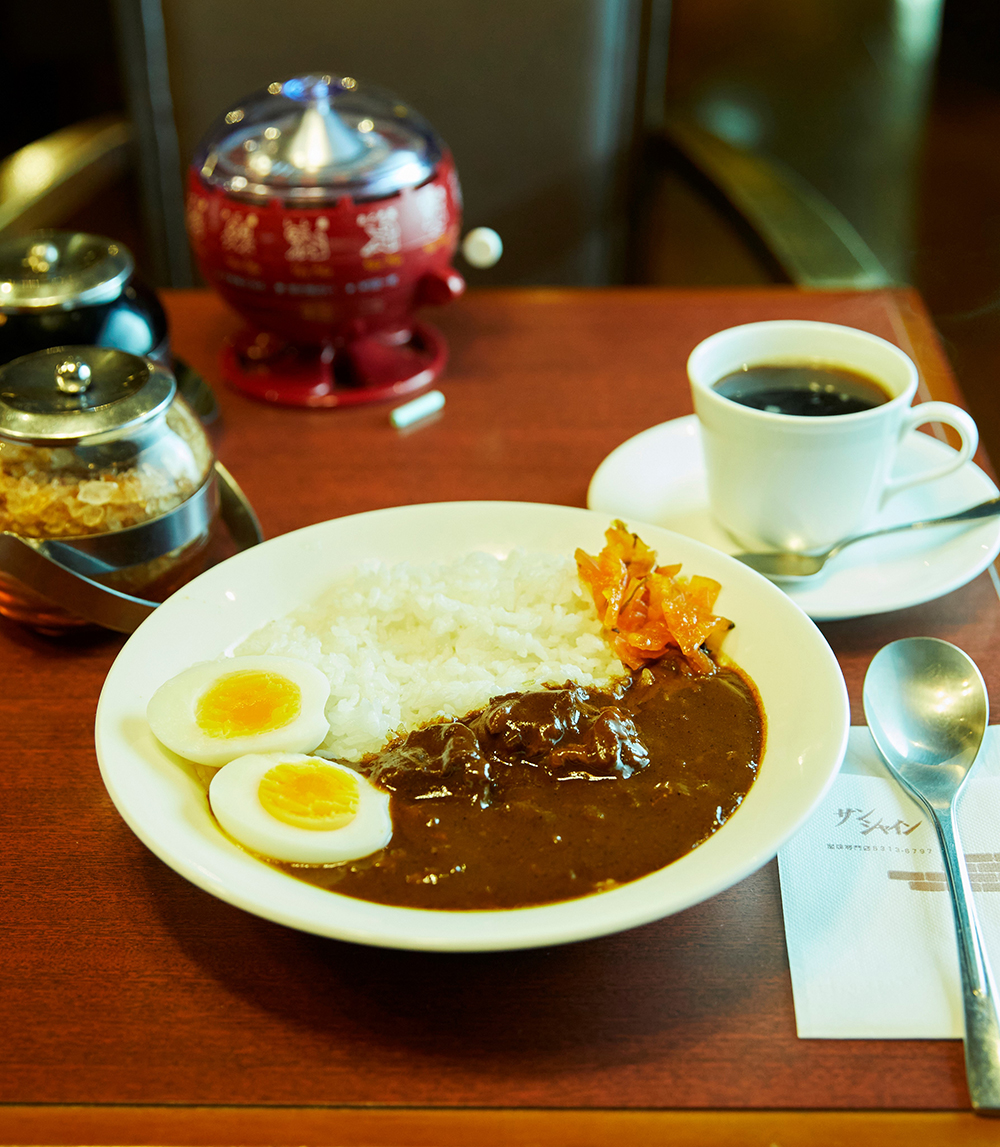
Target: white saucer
659 477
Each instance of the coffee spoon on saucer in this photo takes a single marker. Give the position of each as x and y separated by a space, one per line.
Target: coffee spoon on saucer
782 565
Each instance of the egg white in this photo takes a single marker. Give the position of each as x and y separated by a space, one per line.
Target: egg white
171 711
236 805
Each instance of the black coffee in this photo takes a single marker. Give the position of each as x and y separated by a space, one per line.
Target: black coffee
813 391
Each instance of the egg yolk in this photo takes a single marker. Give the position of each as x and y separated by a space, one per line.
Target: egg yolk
246 702
309 796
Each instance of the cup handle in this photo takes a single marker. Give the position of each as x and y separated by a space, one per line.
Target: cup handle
953 416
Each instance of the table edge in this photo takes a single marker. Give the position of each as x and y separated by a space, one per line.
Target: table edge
184 1126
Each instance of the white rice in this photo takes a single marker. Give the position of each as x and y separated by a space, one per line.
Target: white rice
404 644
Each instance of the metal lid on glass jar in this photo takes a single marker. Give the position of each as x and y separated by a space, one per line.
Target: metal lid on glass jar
315 137
64 396
61 269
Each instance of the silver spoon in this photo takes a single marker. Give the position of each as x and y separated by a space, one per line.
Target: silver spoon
794 565
927 711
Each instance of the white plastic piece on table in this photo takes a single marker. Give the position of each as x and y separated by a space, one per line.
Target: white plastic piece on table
482 247
422 407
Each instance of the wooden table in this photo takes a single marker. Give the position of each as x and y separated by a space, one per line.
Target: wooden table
138 1009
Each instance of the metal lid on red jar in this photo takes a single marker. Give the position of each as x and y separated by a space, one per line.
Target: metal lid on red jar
61 269
314 138
66 396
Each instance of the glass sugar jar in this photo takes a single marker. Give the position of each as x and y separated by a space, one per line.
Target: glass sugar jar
108 488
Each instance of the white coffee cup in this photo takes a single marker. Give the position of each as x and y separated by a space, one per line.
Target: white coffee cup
800 482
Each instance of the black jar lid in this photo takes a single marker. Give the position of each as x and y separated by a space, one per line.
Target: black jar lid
65 396
61 269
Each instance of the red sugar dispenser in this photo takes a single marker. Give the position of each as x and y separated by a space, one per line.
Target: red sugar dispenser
325 212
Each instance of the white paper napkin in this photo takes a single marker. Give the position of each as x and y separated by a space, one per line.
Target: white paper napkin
868 922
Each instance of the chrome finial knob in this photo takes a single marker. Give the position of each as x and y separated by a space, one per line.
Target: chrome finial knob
72 376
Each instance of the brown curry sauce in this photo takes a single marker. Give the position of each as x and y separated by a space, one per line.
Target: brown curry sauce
557 793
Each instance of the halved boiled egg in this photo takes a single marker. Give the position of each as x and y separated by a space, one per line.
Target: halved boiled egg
219 710
288 806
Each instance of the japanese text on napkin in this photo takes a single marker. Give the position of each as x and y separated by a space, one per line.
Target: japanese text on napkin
868 923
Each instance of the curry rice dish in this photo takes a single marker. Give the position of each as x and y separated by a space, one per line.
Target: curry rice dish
569 730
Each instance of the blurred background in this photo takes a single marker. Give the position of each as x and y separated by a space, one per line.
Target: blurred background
692 142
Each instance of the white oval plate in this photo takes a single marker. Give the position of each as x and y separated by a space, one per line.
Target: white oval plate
798 677
659 476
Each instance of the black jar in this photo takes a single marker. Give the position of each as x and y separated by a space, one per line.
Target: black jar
61 288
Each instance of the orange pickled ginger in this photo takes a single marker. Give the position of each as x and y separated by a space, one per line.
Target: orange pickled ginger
645 608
